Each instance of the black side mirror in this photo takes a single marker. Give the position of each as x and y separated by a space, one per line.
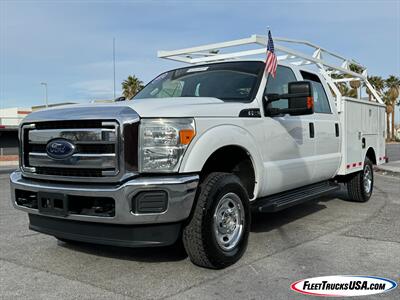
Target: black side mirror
300 100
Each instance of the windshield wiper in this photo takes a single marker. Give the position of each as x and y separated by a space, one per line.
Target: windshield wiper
233 98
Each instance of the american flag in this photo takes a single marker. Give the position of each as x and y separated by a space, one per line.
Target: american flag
271 62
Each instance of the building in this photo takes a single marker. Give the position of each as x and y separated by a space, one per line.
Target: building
9 121
11 117
39 107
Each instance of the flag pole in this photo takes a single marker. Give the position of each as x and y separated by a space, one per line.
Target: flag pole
266 38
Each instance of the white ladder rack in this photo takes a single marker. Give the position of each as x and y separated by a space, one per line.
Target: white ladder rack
318 56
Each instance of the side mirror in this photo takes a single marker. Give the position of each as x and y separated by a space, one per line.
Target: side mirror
300 100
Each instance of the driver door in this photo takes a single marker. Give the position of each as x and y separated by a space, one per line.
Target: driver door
289 148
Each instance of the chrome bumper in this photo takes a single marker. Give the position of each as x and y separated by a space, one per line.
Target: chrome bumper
181 190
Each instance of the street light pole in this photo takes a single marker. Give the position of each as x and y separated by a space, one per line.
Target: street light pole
45 93
114 66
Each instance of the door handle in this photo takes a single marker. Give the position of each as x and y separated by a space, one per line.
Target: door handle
337 129
311 128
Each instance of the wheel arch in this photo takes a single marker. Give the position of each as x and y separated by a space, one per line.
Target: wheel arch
371 154
222 143
232 159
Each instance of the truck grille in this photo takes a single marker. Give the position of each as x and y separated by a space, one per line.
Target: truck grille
96 152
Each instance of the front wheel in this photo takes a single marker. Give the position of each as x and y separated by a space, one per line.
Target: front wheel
361 184
217 234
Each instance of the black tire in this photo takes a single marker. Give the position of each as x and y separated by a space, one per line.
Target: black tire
357 184
200 236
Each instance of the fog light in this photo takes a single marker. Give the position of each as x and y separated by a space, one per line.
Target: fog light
150 202
26 198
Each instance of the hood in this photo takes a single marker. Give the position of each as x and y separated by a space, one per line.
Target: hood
146 108
122 113
185 107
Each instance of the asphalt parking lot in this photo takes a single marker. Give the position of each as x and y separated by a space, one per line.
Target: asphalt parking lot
393 151
326 237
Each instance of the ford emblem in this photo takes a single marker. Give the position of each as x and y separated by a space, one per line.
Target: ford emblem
60 149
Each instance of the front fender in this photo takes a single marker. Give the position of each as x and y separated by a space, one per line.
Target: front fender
203 146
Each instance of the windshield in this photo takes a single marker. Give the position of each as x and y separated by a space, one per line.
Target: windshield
233 81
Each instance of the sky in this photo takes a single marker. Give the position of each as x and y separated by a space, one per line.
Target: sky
68 44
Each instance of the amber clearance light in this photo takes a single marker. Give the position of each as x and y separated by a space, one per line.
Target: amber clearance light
186 136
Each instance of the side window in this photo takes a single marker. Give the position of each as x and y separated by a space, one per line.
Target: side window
279 85
321 102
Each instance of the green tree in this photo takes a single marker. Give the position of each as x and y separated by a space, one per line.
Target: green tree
355 84
344 87
393 89
377 83
349 89
131 86
386 99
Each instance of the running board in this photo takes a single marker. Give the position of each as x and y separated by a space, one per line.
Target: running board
286 199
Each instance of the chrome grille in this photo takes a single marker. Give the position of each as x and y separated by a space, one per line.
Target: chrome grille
96 155
77 161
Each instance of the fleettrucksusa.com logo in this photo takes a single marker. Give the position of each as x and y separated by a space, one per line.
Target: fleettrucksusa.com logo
343 285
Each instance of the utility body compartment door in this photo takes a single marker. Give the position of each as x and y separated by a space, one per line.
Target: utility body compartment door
364 123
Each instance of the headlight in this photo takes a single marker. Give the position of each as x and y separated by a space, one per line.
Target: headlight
163 143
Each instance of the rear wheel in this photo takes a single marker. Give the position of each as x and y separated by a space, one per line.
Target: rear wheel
216 236
361 184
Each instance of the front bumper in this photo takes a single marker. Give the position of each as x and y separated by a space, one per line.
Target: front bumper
107 234
180 189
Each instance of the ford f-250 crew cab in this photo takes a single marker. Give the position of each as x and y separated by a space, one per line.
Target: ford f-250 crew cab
198 148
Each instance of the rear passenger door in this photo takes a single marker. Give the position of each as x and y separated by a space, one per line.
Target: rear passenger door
326 130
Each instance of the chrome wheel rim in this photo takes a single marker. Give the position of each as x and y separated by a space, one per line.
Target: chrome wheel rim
367 179
228 221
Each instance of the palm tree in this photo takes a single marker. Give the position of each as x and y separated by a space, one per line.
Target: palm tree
377 83
344 87
386 99
393 86
356 68
355 84
346 91
131 86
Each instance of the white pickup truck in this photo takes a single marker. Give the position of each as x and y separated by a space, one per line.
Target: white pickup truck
199 148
